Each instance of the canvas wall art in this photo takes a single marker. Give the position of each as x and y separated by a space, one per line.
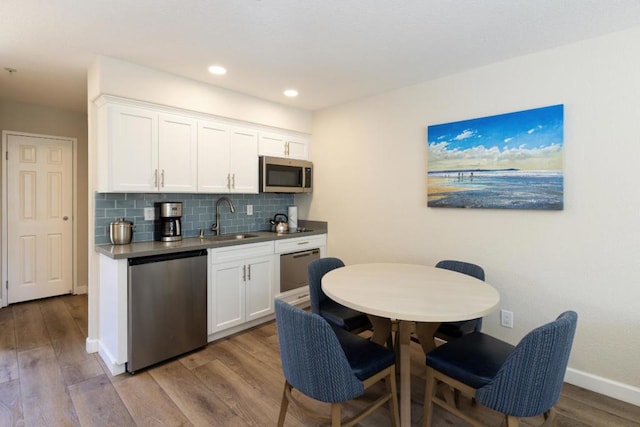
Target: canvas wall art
508 161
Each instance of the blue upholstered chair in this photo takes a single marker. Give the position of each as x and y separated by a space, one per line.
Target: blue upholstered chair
335 313
451 330
520 381
331 365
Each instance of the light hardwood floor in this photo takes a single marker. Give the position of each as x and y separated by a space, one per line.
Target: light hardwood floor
47 379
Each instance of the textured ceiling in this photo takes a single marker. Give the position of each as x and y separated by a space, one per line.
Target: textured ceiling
332 51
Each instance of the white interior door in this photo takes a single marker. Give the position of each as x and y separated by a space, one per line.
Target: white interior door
39 217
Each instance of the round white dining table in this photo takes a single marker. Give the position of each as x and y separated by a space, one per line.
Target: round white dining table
410 293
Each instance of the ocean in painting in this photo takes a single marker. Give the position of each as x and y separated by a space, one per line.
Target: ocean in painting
496 189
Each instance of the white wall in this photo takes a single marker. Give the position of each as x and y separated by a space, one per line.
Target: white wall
120 78
28 118
370 161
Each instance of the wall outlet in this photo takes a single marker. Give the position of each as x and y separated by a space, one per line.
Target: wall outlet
506 318
149 214
249 209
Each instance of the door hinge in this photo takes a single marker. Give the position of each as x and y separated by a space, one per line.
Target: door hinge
6 155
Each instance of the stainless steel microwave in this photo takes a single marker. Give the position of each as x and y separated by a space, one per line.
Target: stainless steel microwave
278 175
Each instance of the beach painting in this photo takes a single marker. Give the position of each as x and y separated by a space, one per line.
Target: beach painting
508 161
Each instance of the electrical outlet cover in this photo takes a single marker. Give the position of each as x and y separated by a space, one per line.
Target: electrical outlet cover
506 318
149 214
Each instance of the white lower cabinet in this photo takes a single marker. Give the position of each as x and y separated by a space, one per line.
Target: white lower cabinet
241 285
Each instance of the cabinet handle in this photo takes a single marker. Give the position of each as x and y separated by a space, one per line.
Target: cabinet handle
303 243
249 272
162 180
233 181
229 181
286 148
155 178
244 273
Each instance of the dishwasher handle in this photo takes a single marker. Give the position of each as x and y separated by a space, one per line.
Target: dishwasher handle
304 253
166 257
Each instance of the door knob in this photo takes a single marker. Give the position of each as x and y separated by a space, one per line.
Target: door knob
64 218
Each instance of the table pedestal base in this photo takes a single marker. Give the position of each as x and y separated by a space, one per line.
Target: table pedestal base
425 332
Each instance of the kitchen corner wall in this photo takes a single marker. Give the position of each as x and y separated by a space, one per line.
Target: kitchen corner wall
198 212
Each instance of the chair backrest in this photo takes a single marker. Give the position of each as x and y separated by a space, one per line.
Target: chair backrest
312 359
467 268
530 380
316 270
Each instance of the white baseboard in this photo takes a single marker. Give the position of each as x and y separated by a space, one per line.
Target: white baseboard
92 346
82 289
230 331
114 367
615 389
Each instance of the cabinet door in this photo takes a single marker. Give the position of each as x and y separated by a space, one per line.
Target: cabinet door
178 154
272 145
133 149
297 148
227 295
213 157
244 161
259 287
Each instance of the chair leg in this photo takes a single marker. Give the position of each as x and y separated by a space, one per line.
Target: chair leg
512 421
284 404
336 415
549 416
430 391
391 389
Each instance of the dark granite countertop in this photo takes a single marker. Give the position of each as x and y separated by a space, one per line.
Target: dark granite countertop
139 249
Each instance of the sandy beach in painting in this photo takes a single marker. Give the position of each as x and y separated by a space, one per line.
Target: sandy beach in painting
438 187
496 189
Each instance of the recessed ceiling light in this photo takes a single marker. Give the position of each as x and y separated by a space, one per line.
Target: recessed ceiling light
217 70
291 93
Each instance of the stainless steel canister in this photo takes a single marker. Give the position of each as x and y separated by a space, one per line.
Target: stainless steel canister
121 232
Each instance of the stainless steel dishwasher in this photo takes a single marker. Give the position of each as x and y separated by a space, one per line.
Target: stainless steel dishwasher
293 269
167 306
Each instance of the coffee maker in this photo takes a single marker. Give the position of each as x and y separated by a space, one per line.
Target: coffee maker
169 228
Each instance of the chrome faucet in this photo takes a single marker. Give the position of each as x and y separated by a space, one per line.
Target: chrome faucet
216 225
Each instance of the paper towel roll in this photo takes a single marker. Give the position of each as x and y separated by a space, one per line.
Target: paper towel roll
293 218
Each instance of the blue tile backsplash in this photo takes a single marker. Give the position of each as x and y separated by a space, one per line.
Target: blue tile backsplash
198 212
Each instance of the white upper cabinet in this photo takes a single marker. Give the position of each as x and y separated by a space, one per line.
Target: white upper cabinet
150 148
128 149
244 160
146 151
227 159
177 154
298 148
213 157
277 145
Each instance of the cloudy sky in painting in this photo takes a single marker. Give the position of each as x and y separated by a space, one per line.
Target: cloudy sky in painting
530 140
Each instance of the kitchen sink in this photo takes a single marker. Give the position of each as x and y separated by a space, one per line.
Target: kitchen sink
234 236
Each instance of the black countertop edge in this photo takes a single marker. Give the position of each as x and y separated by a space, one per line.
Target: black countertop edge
139 249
